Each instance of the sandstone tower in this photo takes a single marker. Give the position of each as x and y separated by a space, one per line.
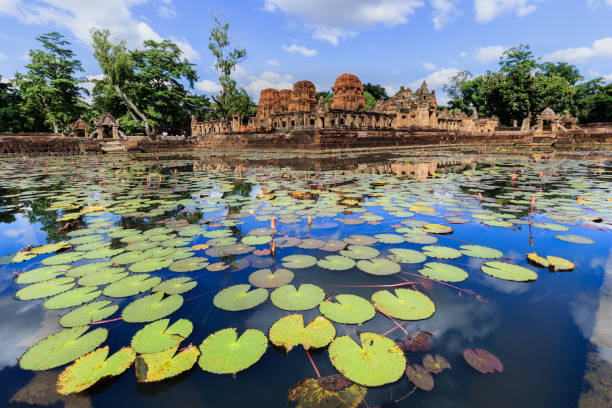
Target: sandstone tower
348 93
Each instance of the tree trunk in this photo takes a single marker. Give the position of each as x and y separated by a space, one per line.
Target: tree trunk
221 103
55 129
135 109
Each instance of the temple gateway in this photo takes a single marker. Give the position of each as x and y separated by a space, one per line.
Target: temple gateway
299 110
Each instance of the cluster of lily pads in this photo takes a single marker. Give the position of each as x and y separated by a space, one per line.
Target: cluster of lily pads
126 224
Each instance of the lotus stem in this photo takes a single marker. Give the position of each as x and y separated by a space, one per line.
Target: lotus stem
107 321
394 285
313 364
469 292
407 395
393 320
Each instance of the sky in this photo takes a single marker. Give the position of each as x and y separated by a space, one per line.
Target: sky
388 42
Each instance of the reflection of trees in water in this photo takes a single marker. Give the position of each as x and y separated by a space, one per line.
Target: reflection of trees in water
40 211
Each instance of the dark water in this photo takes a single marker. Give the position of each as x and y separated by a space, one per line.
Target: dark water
542 331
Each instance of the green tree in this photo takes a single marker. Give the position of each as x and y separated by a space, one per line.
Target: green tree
370 100
563 70
12 117
51 84
377 91
593 101
327 95
118 68
236 101
226 61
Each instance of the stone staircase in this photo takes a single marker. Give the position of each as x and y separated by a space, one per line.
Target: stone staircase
112 146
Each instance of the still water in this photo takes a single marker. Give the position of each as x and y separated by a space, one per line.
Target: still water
210 218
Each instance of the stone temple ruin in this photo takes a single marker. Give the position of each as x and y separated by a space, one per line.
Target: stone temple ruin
298 110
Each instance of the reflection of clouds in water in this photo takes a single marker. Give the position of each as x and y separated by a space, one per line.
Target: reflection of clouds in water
504 286
21 233
583 308
602 328
22 324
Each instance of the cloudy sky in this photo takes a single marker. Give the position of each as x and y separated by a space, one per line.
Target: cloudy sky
390 42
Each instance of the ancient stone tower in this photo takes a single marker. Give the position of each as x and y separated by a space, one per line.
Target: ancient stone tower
303 97
285 98
269 103
348 93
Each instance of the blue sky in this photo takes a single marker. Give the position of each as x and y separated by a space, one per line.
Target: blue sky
390 42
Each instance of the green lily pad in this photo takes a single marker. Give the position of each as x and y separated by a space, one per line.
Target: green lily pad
390 238
506 271
63 258
238 297
360 252
333 245
130 286
166 364
378 361
41 274
378 266
223 352
88 268
443 272
411 256
478 251
332 391
406 304
348 309
92 367
175 286
152 307
575 239
62 348
298 261
72 297
311 243
420 238
265 278
150 265
336 263
307 297
45 289
289 331
256 239
102 253
103 277
189 264
441 252
89 313
360 240
437 229
127 257
157 336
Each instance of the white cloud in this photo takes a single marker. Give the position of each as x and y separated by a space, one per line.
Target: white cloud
445 11
333 20
597 3
607 78
268 80
487 10
463 54
165 9
435 80
208 87
600 49
273 63
429 66
307 52
489 54
79 16
2 56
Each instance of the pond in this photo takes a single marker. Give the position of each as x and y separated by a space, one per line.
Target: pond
427 277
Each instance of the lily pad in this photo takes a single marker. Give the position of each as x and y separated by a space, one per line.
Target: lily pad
41 274
478 251
311 243
437 229
348 309
265 278
131 285
406 304
92 367
441 252
360 252
378 266
223 352
289 332
152 307
287 297
72 297
103 277
575 239
157 336
299 261
443 272
435 364
483 361
44 289
420 377
165 364
333 245
506 271
535 259
150 265
390 238
89 313
417 341
420 238
62 348
63 258
377 361
175 286
336 263
408 255
238 297
333 391
360 240
560 264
